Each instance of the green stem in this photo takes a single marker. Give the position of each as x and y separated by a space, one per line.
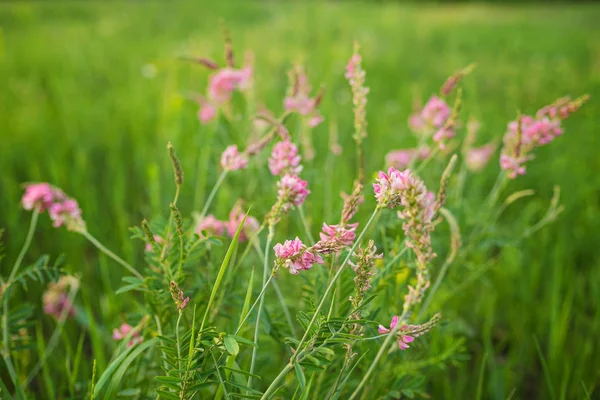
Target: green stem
382 349
271 389
258 299
305 224
260 305
178 344
289 366
112 255
212 194
13 273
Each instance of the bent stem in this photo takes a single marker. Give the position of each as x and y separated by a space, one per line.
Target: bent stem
260 305
112 255
289 366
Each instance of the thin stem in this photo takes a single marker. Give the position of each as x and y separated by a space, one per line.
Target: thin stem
271 389
260 305
289 366
159 329
112 255
13 273
212 194
260 296
225 393
55 335
382 349
305 224
335 278
178 345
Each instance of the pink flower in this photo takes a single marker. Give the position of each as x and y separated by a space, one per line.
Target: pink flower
210 225
236 216
226 80
56 300
403 340
416 123
355 61
66 212
123 331
513 165
157 239
292 190
536 132
443 134
478 157
285 159
435 112
232 159
345 235
400 159
298 98
315 120
293 254
207 112
40 195
389 187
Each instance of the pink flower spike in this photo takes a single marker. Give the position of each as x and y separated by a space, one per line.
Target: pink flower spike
224 82
295 256
435 112
285 159
40 195
236 216
210 225
232 159
292 190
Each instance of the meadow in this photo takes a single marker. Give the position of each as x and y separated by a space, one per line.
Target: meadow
93 92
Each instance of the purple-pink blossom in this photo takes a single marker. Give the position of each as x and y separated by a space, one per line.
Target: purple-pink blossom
226 80
236 216
292 191
513 165
211 225
389 187
345 235
436 112
298 98
478 157
401 159
56 297
40 195
403 340
285 159
207 111
293 254
123 331
232 159
66 213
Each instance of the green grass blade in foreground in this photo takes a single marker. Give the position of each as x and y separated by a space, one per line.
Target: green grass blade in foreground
223 269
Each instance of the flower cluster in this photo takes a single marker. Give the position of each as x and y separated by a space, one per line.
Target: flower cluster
177 295
408 333
285 159
56 297
295 256
356 77
62 209
291 191
232 159
211 226
401 159
123 331
431 118
478 157
298 97
527 133
335 237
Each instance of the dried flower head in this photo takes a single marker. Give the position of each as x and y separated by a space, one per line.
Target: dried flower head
177 295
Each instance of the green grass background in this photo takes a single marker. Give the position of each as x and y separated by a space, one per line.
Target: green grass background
75 110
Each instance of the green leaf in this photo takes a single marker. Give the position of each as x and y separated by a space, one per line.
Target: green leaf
163 394
124 359
300 375
231 345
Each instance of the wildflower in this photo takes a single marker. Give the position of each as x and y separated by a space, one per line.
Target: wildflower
225 81
444 133
177 295
236 217
454 80
207 111
363 268
528 132
408 333
298 97
157 239
123 331
232 159
285 159
211 225
436 112
293 254
344 234
352 202
40 196
478 157
401 159
56 297
67 213
390 187
291 191
403 340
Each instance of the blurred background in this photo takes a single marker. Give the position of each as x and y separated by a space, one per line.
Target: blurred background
91 92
